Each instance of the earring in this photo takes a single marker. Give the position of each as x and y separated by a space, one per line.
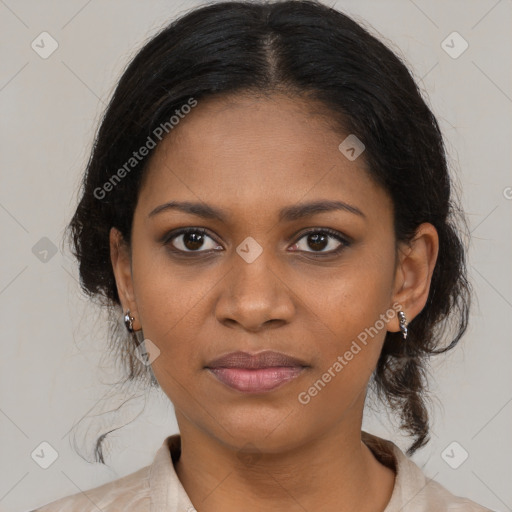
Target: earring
128 321
403 323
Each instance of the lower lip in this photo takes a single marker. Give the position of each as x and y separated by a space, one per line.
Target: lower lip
256 381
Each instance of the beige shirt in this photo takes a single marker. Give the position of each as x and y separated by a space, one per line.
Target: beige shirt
156 488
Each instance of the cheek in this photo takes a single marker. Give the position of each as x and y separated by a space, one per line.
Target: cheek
168 295
349 299
347 357
353 310
171 306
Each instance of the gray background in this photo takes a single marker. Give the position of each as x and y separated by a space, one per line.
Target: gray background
52 372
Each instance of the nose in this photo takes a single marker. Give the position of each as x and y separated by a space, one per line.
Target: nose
254 296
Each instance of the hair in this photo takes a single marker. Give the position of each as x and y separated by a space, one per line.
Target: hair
307 50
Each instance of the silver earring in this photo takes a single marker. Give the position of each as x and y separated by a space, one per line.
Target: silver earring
128 321
403 324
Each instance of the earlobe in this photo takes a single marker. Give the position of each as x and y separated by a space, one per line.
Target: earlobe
121 266
414 271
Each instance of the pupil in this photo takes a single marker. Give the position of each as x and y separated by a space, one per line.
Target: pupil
193 240
315 243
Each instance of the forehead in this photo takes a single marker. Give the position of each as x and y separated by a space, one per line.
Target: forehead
256 154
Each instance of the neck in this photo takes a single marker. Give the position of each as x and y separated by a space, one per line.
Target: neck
335 470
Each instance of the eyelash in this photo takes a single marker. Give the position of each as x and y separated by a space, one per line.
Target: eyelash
327 231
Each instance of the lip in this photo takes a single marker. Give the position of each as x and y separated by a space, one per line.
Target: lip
265 359
256 373
256 381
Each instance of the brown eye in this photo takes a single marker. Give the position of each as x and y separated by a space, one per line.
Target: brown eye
318 241
191 240
321 239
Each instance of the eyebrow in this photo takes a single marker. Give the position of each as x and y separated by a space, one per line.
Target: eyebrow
287 214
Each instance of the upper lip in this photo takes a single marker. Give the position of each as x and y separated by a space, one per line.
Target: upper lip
266 359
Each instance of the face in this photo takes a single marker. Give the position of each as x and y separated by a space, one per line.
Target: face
253 280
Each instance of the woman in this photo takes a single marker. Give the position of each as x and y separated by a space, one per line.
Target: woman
268 207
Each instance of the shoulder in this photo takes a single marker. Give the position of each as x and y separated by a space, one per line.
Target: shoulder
414 491
153 487
436 497
128 493
421 493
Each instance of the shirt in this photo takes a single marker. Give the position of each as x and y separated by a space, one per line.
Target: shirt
157 488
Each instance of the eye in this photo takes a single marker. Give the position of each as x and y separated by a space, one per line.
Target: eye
197 240
191 240
320 239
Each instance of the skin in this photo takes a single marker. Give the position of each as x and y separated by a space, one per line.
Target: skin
250 157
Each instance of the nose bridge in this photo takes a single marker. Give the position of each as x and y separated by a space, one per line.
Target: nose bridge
254 292
254 269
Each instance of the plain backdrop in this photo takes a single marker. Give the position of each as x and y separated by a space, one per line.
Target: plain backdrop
52 372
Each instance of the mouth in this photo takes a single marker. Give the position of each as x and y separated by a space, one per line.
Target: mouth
257 373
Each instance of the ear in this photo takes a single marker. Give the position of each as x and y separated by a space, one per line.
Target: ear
121 264
415 266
